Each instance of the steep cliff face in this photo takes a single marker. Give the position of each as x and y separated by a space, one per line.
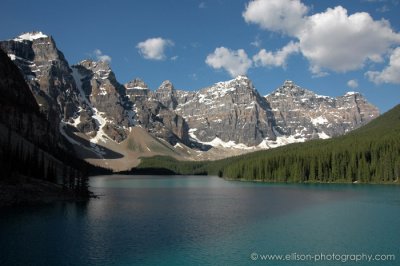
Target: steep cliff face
227 111
104 105
162 122
166 94
155 111
355 109
38 165
137 90
19 111
47 73
304 115
13 89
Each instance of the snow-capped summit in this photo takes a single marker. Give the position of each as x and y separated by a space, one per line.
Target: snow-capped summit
242 77
30 36
352 93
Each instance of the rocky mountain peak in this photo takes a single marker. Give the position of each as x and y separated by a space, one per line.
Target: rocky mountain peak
239 80
288 84
306 115
136 83
289 88
166 86
137 90
229 111
47 73
105 112
101 69
353 94
33 47
30 36
166 94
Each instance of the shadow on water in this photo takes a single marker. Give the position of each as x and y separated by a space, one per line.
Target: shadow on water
198 218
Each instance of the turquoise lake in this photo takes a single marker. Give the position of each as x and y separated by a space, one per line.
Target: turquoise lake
201 220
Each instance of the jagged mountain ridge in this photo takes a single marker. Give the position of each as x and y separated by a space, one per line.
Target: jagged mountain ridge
305 115
227 111
229 114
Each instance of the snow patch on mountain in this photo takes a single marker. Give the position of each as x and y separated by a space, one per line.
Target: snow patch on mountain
320 120
351 93
30 36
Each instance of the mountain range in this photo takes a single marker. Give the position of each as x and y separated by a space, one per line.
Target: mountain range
112 124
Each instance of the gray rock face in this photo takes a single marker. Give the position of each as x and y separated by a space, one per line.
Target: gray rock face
166 94
305 115
47 73
20 112
153 115
104 103
137 90
162 122
229 111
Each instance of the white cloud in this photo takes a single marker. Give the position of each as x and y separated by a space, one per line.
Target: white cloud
202 5
284 16
331 40
234 62
340 42
174 58
100 56
383 9
154 48
353 83
257 42
278 58
390 74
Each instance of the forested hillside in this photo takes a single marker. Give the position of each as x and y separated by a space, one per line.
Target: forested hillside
370 154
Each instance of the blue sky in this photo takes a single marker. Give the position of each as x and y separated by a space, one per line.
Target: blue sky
330 47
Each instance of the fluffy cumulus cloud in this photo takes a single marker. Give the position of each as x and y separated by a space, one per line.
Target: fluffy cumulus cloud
391 74
276 15
278 58
235 62
331 40
334 40
100 56
154 48
353 83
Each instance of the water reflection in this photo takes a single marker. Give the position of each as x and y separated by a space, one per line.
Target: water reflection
199 220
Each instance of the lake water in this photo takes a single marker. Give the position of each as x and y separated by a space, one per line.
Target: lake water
196 220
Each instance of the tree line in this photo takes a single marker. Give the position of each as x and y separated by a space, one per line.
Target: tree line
20 158
370 154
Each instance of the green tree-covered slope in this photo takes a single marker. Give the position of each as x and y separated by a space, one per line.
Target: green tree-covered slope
370 154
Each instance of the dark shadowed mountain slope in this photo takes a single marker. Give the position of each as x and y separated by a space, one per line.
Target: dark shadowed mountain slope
36 162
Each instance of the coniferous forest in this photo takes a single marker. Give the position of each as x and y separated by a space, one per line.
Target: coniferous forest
370 154
18 157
